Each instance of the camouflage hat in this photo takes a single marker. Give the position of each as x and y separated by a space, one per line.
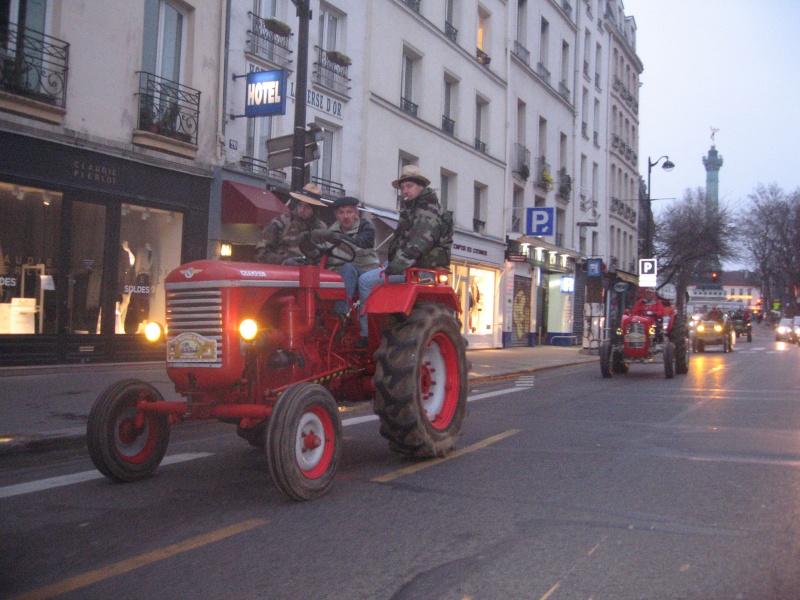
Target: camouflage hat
411 173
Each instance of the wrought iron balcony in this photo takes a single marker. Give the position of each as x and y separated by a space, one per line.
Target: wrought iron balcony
408 106
522 53
329 188
168 108
450 31
34 65
482 57
543 178
478 226
480 146
564 185
414 4
330 70
563 90
448 125
261 167
542 72
270 40
523 164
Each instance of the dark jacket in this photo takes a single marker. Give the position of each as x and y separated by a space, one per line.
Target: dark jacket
279 237
416 241
363 235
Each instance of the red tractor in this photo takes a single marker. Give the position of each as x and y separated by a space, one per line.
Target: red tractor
645 335
258 346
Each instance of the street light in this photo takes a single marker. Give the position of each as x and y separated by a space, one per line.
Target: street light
648 238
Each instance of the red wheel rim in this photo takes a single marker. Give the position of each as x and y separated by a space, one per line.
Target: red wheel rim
439 381
315 442
135 445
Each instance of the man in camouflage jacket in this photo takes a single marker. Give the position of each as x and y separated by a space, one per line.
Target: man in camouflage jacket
278 243
418 238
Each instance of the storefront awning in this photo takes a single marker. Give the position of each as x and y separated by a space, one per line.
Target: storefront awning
249 205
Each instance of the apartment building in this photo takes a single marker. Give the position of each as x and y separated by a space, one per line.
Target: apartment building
505 107
108 134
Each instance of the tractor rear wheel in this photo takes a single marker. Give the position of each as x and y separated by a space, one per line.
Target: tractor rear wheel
606 368
121 448
681 341
669 360
421 382
304 441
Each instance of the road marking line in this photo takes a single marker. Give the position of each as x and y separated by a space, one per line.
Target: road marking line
431 463
125 566
54 482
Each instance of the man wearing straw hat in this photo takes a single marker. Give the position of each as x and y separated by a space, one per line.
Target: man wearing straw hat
278 245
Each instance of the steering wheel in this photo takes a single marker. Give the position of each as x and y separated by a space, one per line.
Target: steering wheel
324 242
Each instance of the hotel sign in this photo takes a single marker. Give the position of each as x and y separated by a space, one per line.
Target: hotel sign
266 93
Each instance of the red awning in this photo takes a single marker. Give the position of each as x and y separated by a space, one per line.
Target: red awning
250 205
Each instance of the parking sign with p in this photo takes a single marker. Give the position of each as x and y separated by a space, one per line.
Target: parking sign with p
540 221
648 272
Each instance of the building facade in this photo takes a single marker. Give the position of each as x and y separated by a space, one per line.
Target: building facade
506 107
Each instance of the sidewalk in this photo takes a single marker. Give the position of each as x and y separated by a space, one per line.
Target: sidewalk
46 408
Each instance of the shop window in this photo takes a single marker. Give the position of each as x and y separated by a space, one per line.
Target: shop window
476 292
150 247
85 276
29 249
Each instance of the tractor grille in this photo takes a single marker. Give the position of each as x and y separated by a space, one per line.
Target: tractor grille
197 312
635 336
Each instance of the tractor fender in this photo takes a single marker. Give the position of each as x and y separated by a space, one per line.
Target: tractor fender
401 298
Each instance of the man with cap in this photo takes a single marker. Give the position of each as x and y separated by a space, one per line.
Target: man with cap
362 234
417 240
278 243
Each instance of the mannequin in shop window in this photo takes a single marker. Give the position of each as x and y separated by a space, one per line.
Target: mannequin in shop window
144 287
126 279
475 304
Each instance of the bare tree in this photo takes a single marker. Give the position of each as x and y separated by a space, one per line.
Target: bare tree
690 238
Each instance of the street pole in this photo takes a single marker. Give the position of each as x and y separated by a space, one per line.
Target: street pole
301 91
648 235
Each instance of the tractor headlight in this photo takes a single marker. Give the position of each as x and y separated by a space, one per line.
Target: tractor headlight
444 279
718 328
701 328
153 331
248 329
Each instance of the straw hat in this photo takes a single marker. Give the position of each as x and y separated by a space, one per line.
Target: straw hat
310 194
411 173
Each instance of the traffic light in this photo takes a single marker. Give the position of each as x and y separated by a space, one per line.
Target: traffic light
714 275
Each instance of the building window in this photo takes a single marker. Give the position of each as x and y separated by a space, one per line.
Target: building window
518 209
448 121
446 190
407 85
480 116
323 170
450 29
479 209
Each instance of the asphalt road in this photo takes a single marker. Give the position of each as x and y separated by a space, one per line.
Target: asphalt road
565 485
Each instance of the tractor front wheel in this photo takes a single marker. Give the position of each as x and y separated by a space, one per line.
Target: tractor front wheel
126 445
421 382
304 441
669 360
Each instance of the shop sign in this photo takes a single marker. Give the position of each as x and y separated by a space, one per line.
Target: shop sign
94 171
470 249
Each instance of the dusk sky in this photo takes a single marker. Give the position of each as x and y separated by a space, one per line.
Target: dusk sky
730 64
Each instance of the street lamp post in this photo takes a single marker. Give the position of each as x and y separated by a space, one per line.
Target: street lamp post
648 235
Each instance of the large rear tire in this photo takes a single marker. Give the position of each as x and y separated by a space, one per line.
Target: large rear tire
606 369
121 450
681 340
669 360
304 441
421 382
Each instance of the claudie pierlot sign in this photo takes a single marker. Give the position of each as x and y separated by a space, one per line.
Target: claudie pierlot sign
266 93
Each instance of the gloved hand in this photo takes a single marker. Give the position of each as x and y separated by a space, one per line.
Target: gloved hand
320 236
394 269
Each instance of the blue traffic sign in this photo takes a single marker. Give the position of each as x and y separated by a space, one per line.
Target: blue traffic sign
540 221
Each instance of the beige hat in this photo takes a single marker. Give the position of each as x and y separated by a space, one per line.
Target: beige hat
411 173
310 194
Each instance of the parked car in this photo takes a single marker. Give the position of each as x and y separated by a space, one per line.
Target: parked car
784 331
796 329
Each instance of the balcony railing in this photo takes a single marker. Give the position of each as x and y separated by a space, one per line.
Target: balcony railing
482 57
168 108
268 44
522 53
478 226
450 31
544 179
564 185
33 65
479 145
331 72
261 167
563 90
542 72
448 125
329 188
523 164
414 4
408 106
